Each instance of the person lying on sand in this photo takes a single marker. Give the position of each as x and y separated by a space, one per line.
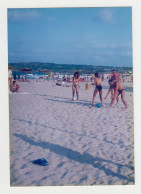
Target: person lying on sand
112 89
98 88
119 90
75 86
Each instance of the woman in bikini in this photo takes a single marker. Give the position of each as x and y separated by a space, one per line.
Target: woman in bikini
98 88
75 86
119 90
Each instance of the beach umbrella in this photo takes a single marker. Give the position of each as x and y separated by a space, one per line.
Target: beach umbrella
26 70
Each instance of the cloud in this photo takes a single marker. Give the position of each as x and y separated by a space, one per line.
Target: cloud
104 46
99 46
50 19
125 53
95 57
107 15
22 40
75 44
23 15
11 54
78 46
127 45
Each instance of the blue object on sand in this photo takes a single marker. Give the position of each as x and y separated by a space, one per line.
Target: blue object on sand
41 162
99 105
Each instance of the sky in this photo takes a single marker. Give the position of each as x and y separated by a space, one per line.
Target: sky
86 36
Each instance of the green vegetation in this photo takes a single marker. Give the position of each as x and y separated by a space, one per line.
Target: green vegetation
65 68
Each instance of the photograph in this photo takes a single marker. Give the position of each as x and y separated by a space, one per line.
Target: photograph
70 92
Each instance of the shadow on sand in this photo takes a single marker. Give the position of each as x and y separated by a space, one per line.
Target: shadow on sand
92 136
65 100
78 157
80 102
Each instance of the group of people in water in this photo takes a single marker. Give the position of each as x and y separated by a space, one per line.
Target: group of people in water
115 87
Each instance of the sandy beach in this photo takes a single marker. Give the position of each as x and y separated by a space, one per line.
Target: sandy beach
83 146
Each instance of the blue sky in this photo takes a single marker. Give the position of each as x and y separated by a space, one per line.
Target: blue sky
91 36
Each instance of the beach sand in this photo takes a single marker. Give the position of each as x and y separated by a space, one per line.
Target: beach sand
83 146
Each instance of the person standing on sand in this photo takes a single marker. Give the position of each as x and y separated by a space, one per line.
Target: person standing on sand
14 76
112 89
102 77
98 88
75 86
115 76
119 90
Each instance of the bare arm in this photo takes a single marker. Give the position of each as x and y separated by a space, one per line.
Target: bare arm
94 81
74 79
79 81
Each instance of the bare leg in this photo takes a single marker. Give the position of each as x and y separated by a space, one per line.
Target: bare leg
112 102
17 88
73 91
77 93
122 98
94 95
100 96
117 99
112 93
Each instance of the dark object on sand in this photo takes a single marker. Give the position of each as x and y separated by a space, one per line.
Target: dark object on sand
41 162
99 105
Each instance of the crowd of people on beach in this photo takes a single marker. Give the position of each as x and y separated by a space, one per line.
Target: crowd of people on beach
12 81
115 87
